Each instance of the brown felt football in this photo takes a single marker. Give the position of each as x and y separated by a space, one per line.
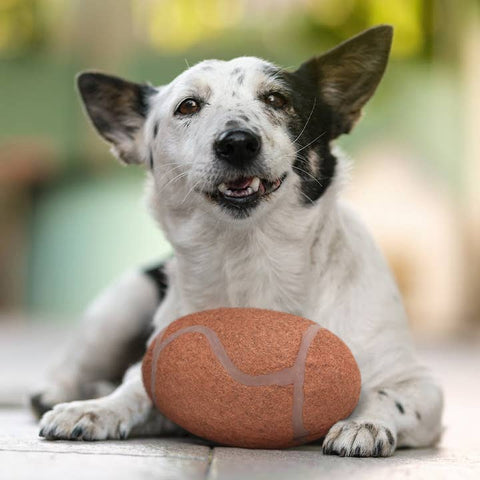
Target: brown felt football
252 378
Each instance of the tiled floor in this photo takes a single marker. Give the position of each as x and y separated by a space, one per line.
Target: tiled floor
23 355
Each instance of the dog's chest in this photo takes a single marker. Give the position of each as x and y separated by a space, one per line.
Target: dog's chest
264 278
248 270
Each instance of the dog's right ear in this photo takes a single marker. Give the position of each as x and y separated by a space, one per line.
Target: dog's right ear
347 75
117 109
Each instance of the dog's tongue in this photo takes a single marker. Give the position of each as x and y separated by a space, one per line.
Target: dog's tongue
239 184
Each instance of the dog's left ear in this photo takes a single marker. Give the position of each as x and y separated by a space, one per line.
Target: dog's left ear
117 109
348 75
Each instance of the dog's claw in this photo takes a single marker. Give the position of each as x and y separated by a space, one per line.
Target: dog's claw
77 432
355 439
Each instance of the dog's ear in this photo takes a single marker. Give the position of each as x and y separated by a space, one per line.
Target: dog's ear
118 109
348 75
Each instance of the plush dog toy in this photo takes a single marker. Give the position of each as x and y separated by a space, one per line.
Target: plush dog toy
252 378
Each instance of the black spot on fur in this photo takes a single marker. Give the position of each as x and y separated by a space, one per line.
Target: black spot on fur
417 414
134 351
38 406
159 278
309 121
236 71
400 407
244 118
155 130
382 392
241 79
150 160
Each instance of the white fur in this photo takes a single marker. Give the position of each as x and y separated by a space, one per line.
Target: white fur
317 261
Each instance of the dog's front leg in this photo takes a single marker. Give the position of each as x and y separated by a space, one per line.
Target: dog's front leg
406 414
113 336
112 417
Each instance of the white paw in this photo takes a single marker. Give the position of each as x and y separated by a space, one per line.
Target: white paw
85 420
50 396
59 393
359 439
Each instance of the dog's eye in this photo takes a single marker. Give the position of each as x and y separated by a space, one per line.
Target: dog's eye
188 107
275 100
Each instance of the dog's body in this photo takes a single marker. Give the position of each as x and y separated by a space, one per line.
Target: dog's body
254 221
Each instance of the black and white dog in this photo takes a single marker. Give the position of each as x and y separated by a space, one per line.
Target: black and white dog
244 183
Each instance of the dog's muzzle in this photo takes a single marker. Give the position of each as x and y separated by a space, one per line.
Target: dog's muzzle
245 183
238 147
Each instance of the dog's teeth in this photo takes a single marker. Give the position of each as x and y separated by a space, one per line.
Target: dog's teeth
222 187
255 184
249 190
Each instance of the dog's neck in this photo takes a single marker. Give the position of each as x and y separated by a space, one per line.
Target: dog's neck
268 262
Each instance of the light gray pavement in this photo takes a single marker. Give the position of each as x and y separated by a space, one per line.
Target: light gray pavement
25 351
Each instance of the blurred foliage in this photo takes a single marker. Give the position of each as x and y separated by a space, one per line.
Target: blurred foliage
21 30
175 26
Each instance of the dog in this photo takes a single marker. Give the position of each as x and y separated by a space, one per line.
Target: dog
243 178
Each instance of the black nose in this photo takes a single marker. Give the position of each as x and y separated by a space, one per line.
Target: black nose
237 147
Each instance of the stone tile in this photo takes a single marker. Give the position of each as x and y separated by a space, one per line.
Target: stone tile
53 466
309 463
19 432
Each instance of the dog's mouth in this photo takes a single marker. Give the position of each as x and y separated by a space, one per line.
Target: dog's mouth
245 191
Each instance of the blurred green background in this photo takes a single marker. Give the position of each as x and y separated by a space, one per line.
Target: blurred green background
72 217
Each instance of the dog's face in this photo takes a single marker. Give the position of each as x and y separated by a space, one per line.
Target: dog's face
226 125
234 137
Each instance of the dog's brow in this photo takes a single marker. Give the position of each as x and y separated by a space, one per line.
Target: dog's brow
276 83
197 86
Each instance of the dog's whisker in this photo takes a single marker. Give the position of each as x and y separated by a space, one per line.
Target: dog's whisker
307 173
307 197
191 190
308 119
313 141
176 178
178 165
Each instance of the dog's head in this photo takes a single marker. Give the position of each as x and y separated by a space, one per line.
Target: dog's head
235 137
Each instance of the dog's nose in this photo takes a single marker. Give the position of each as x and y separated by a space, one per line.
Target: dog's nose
237 147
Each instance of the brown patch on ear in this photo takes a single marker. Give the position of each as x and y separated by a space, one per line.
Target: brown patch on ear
348 75
117 109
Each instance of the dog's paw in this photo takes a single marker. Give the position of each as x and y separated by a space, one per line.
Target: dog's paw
359 439
85 420
43 401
